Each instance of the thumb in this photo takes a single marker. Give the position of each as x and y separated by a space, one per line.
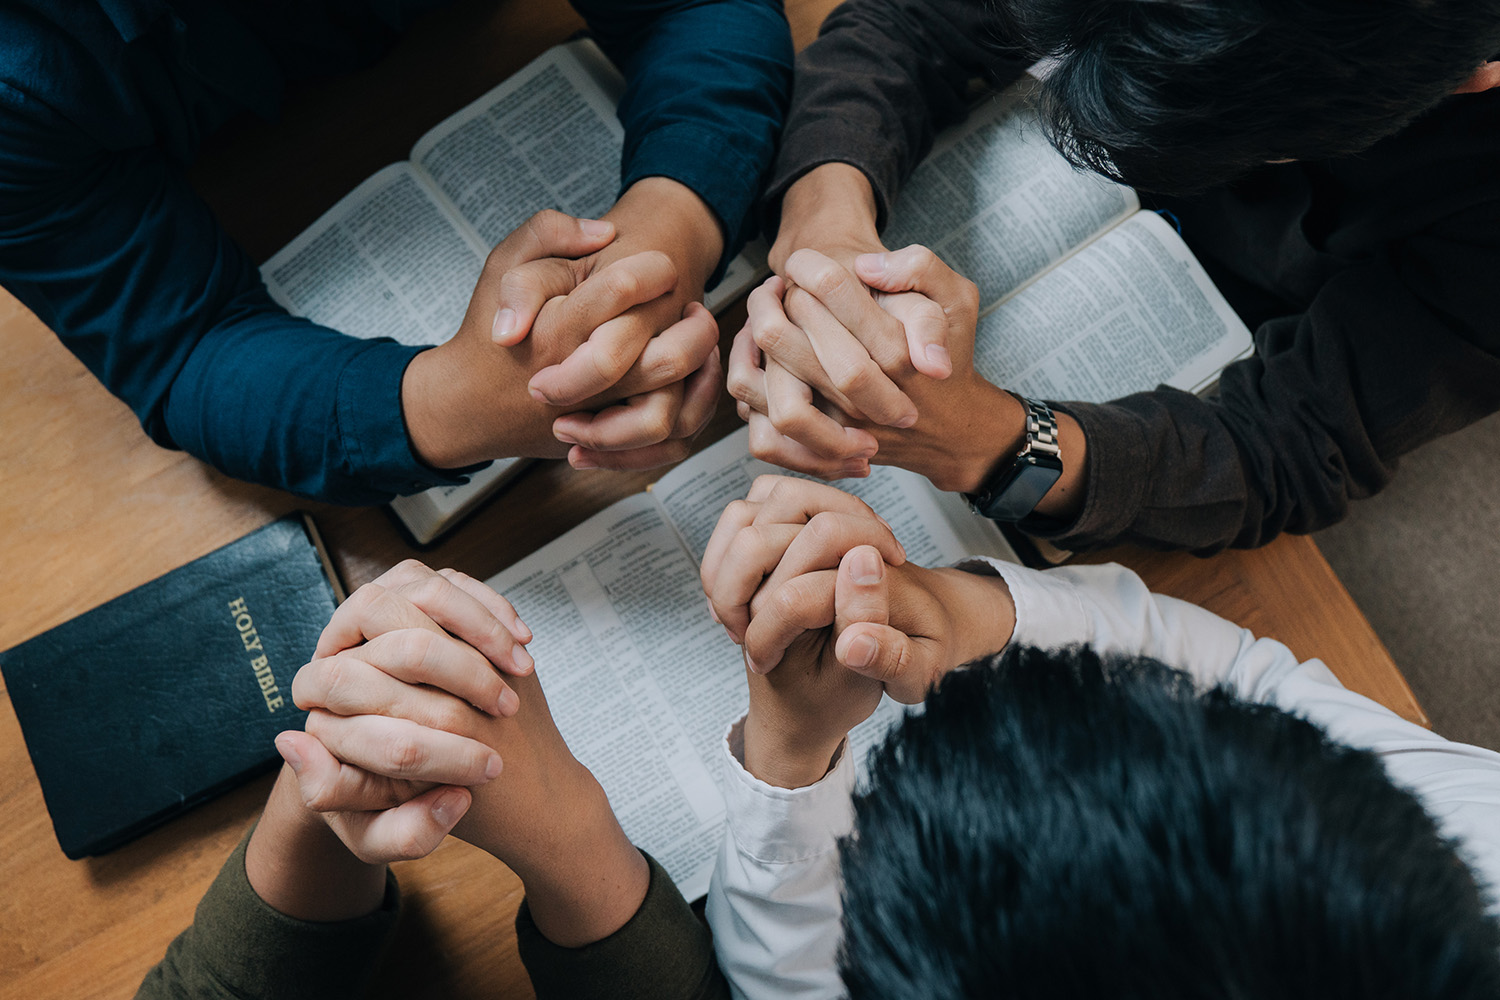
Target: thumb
860 593
866 643
409 831
546 235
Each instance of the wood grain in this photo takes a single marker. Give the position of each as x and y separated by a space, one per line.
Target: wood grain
90 509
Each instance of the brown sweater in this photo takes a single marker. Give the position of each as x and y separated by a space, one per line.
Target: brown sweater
1370 283
238 947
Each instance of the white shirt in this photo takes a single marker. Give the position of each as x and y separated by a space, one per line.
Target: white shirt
774 899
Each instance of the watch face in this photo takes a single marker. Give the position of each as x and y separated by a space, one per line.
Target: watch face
1029 482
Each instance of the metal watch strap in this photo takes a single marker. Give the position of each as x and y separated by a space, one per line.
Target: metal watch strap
1040 459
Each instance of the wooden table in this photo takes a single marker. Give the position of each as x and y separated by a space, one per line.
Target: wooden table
90 508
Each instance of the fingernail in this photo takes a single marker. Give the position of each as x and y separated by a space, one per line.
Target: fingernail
523 659
750 662
290 754
906 421
712 613
862 650
582 462
509 702
855 470
536 394
445 810
505 324
494 767
565 437
938 357
871 263
593 227
732 637
867 568
526 634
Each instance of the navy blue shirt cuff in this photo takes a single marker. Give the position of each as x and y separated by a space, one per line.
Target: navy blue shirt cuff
371 428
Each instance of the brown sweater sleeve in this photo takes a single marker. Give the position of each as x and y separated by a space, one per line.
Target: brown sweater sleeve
883 77
664 952
239 947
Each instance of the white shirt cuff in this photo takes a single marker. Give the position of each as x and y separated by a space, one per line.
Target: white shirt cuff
1048 612
783 825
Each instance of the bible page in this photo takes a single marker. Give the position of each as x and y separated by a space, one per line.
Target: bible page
642 682
998 204
386 261
547 137
1132 310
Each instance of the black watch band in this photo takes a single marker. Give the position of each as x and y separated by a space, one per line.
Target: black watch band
1014 488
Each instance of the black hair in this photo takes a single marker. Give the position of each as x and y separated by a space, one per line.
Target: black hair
1058 826
1178 95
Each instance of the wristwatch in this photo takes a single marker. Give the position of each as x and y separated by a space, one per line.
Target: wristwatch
1014 488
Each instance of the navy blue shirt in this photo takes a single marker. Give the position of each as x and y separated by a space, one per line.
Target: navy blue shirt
103 104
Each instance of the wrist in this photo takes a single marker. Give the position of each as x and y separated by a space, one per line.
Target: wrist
585 880
461 409
298 865
787 756
832 205
658 213
994 426
984 606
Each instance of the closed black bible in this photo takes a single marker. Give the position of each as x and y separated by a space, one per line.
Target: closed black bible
166 696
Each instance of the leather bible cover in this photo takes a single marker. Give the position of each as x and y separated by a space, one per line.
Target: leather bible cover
171 694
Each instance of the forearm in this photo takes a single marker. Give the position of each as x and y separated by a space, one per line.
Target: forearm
830 208
584 879
658 213
774 900
133 273
882 78
701 76
240 946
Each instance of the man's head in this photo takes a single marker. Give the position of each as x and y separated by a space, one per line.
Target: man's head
1056 826
1178 95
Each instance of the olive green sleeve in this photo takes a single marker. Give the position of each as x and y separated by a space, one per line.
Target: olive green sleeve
664 952
240 947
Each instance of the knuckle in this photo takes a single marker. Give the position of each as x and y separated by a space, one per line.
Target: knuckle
769 336
622 283
429 590
825 280
405 754
857 378
407 571
609 364
411 646
738 384
824 527
656 425
496 262
451 716
409 845
318 795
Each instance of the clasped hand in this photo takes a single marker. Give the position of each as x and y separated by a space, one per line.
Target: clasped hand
842 363
576 343
817 590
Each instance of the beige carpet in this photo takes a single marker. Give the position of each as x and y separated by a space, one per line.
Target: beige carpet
1422 559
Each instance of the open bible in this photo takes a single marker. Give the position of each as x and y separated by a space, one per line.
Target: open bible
1082 295
641 681
399 255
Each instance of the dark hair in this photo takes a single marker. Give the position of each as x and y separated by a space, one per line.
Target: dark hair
1060 826
1178 95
